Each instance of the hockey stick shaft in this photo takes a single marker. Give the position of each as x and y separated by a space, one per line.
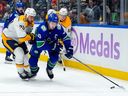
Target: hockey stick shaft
64 68
98 73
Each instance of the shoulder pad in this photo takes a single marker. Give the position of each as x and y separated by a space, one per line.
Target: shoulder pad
43 28
59 27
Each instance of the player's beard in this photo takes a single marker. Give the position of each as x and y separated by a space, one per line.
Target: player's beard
30 20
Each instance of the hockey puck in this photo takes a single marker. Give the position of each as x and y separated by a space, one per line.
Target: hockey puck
112 87
64 69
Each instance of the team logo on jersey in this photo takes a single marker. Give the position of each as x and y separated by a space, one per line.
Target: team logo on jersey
43 28
40 44
39 36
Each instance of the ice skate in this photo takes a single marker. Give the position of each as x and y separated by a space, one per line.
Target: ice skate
8 60
50 73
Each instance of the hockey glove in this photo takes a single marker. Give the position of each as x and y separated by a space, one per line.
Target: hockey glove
69 53
31 42
32 38
28 30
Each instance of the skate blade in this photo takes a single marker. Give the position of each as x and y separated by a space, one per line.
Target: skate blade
27 79
33 77
8 62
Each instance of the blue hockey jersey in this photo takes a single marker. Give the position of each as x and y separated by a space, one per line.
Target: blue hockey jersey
48 39
11 18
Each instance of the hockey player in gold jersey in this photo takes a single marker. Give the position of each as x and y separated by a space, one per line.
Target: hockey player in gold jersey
14 38
65 21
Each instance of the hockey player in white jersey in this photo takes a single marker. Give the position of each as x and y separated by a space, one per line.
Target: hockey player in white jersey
14 37
19 11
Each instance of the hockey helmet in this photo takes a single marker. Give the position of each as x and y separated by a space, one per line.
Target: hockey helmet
51 11
53 18
63 12
30 12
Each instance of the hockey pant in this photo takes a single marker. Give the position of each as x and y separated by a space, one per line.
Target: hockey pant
20 52
35 54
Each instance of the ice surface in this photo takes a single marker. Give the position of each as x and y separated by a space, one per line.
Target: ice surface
70 83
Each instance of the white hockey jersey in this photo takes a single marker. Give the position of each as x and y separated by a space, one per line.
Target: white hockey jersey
16 29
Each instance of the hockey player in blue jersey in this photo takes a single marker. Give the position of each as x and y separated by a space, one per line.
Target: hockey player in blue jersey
19 11
46 38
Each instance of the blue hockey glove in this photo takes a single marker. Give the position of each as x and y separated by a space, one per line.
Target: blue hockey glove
69 53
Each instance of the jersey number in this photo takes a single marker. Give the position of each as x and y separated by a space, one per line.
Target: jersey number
22 27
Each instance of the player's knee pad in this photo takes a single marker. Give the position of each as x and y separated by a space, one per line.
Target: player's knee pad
19 55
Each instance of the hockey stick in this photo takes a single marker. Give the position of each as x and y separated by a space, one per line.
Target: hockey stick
64 68
99 74
45 52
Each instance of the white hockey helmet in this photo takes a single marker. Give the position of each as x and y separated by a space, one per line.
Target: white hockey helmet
30 12
51 11
63 12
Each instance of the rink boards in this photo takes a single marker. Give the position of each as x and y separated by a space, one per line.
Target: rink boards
104 48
